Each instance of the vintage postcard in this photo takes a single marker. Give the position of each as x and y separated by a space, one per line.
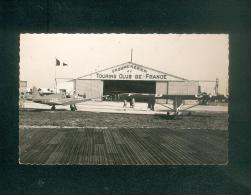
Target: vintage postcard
123 99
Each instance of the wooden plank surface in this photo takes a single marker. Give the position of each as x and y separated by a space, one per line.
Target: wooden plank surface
124 146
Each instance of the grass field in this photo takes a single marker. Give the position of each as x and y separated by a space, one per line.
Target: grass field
93 119
122 139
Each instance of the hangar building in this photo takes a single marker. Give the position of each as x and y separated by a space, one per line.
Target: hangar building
130 77
22 87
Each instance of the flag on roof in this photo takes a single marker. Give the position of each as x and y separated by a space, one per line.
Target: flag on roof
57 62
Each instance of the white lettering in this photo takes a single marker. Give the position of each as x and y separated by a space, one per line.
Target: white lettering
150 76
106 76
125 76
138 76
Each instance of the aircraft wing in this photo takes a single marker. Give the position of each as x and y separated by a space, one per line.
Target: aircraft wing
158 96
126 96
69 101
64 101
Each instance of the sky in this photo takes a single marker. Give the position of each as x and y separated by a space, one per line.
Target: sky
191 56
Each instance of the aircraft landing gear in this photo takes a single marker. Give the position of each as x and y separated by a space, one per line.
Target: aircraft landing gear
170 116
73 107
53 108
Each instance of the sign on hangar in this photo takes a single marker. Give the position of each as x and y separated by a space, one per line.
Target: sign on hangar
130 77
131 71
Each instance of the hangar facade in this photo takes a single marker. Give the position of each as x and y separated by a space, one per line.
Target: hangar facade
130 77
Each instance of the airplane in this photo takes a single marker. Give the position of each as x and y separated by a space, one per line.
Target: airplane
177 100
56 99
44 92
207 98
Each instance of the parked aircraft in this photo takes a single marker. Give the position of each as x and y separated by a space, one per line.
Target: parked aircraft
56 99
178 100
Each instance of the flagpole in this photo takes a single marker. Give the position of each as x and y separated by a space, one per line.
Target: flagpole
131 53
55 75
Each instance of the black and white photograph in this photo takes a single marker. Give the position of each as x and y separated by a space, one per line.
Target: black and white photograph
123 99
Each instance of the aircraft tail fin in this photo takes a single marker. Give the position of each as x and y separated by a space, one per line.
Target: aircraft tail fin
35 93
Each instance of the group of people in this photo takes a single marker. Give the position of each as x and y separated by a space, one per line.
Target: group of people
150 103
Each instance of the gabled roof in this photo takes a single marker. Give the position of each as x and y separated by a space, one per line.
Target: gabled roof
132 63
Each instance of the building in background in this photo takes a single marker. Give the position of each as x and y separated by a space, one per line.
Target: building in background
208 87
65 85
22 87
130 77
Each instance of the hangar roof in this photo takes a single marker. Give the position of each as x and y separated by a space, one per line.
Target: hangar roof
130 68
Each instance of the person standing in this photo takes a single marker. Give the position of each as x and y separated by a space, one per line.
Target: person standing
133 102
125 104
153 104
149 103
21 100
130 100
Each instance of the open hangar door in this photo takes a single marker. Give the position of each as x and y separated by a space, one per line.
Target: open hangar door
115 87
